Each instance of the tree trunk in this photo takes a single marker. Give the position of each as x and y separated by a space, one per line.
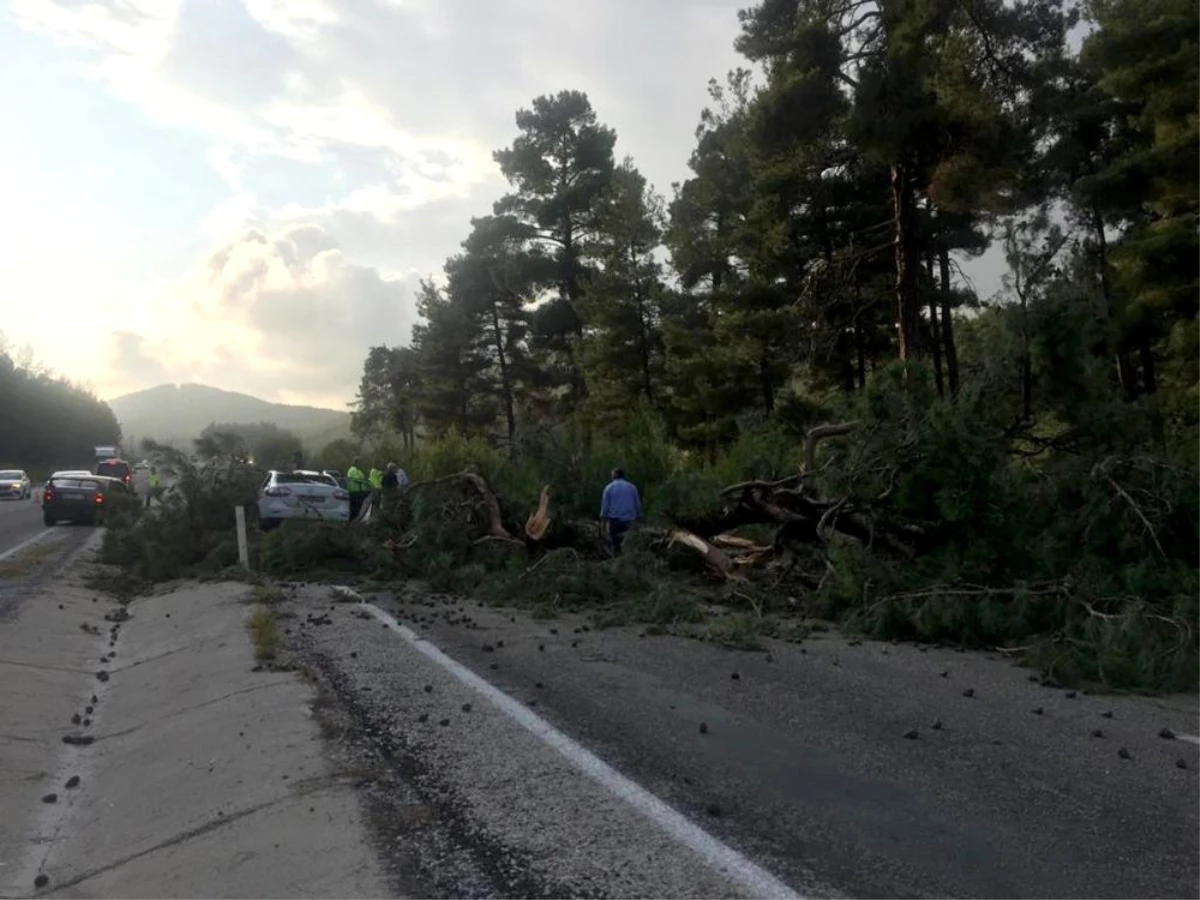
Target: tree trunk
505 383
1146 357
1125 376
948 324
1026 362
643 328
862 357
764 379
935 338
908 304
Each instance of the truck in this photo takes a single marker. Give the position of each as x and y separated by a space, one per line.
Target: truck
107 452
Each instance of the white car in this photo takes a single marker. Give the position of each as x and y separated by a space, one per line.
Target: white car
15 485
301 495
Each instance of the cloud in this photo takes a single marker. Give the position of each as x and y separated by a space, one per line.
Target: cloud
131 361
286 309
354 142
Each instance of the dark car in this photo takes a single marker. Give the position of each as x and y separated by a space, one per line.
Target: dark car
78 498
116 468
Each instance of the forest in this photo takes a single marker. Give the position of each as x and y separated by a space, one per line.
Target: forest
998 467
46 422
826 420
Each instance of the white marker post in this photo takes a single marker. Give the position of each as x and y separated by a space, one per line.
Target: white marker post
243 549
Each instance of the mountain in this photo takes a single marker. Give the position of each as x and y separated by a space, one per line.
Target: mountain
175 413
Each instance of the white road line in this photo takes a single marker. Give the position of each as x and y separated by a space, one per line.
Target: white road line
756 880
1190 738
13 551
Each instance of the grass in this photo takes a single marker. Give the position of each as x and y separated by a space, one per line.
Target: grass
265 595
265 634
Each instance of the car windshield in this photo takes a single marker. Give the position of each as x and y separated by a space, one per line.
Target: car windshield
10 475
112 468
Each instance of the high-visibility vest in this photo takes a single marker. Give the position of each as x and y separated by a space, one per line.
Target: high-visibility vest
376 479
155 480
356 481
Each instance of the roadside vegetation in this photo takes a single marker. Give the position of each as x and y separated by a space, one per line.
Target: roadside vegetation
46 422
828 423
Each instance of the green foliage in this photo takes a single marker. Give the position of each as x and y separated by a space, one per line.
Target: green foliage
1019 471
267 445
46 422
193 523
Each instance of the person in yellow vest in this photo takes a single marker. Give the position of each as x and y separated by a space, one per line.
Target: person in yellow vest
376 478
155 486
359 487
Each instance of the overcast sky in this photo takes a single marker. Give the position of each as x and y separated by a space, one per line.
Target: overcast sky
244 193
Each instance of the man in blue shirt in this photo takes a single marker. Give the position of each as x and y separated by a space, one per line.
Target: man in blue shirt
620 507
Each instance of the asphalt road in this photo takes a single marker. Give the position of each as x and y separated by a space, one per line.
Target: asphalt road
31 553
20 520
840 768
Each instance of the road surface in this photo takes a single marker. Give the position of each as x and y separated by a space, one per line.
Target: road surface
860 769
30 553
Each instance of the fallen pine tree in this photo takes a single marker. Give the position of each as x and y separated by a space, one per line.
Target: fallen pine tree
827 541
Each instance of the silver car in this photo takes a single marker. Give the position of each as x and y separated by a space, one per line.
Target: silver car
301 495
15 484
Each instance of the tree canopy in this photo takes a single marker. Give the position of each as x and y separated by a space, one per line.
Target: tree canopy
46 422
834 193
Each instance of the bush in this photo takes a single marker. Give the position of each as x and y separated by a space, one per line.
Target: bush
1084 563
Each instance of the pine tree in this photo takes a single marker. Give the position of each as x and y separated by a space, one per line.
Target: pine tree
623 349
490 284
560 166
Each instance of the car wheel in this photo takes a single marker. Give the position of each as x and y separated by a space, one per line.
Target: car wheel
49 520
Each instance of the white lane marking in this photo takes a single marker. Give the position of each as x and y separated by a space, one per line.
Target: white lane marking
13 551
756 880
1190 738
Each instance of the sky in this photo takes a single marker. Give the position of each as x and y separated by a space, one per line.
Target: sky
245 193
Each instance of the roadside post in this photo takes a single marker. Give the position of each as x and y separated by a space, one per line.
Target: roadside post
243 550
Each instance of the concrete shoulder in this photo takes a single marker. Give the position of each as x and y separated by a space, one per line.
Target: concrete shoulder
145 757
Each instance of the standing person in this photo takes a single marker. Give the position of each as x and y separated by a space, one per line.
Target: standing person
620 507
376 478
390 478
358 486
155 485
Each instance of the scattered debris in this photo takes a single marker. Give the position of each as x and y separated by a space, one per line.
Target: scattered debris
911 735
1124 754
1167 734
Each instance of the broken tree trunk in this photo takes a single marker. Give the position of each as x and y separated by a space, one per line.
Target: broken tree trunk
539 522
716 559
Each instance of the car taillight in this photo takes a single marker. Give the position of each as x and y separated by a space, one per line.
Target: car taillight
276 492
48 495
99 497
128 478
340 495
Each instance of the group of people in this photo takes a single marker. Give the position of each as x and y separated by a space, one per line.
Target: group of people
620 504
361 485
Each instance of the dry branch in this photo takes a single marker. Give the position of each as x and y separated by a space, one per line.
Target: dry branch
496 527
814 436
